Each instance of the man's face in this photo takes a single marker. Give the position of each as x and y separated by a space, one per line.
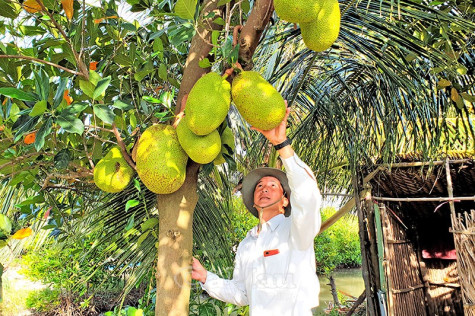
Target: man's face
269 190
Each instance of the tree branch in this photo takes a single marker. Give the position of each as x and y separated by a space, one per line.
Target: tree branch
122 148
73 175
199 49
83 70
12 162
41 61
252 31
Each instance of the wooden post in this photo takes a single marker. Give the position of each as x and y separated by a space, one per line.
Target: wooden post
365 262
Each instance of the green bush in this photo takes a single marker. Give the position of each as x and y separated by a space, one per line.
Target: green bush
339 245
43 300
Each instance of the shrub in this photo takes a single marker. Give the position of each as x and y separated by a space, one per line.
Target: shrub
43 300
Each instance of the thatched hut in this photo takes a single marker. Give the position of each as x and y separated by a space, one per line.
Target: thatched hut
408 219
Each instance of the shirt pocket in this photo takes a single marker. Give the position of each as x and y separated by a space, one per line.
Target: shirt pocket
276 270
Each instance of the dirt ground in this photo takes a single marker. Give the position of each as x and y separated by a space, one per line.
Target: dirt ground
16 288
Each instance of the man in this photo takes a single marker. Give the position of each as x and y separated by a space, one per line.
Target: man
274 270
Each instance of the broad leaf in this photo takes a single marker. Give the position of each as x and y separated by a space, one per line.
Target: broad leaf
42 133
149 224
185 9
39 108
104 113
5 224
62 158
131 203
119 104
87 87
70 124
18 94
101 87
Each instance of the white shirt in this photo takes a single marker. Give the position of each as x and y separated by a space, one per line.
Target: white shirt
285 283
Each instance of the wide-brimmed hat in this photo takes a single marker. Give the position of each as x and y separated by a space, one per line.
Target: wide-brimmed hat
250 181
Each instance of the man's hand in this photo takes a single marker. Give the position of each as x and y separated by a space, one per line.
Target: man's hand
278 134
198 272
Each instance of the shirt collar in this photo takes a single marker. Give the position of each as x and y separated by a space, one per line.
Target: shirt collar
273 223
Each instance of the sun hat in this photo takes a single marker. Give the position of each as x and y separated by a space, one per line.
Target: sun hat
252 178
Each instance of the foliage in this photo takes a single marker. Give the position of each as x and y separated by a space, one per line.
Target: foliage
65 270
339 245
43 300
399 78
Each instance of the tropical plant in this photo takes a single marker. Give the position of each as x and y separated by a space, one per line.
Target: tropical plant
77 78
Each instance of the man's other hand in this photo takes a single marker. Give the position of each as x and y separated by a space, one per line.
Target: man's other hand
198 272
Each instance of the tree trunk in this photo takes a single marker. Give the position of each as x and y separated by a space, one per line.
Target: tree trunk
176 209
333 291
175 246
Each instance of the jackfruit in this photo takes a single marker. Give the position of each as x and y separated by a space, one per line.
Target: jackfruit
319 35
202 149
227 146
112 173
207 104
297 11
258 101
160 160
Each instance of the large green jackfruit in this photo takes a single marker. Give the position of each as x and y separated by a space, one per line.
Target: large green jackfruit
160 160
297 11
319 35
112 173
258 101
227 146
207 104
202 149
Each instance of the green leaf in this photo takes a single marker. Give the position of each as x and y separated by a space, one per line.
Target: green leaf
122 60
223 2
185 9
5 224
44 131
142 237
157 45
39 108
74 109
130 223
18 94
219 21
137 185
59 95
31 200
204 63
119 104
443 83
87 87
162 72
8 11
104 113
70 124
62 158
42 84
131 203
149 224
101 88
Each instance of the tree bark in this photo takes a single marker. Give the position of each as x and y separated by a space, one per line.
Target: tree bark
175 246
252 31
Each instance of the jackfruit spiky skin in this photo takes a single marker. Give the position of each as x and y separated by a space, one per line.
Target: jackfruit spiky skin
112 173
297 11
207 104
320 34
227 138
258 101
160 160
201 149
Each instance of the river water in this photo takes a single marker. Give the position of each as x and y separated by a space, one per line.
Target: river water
349 281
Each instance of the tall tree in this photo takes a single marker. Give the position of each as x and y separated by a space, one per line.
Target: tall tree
78 78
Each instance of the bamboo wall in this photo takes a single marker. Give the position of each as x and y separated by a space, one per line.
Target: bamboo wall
404 281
